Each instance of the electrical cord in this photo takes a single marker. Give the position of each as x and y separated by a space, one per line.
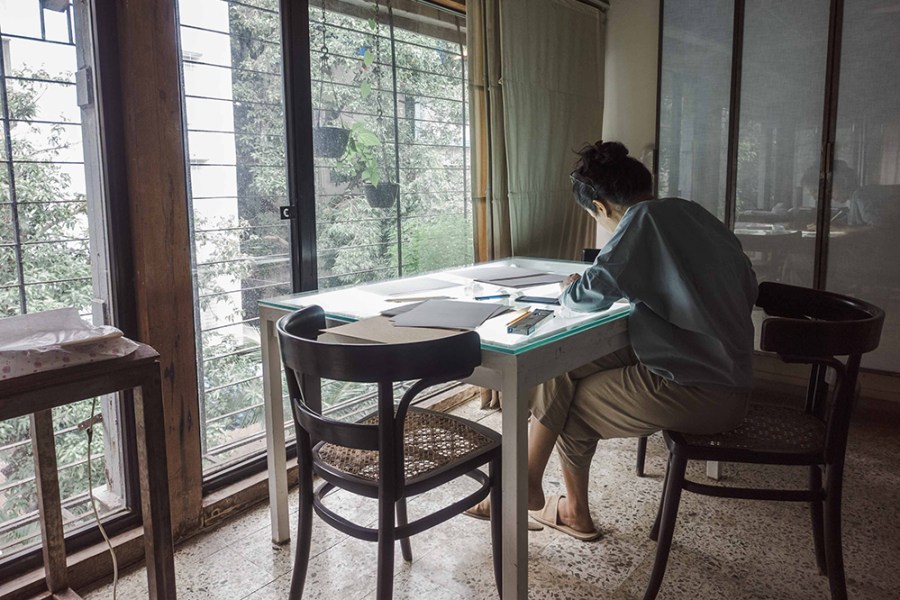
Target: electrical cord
90 435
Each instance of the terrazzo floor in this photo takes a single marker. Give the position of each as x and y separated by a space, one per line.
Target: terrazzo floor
723 549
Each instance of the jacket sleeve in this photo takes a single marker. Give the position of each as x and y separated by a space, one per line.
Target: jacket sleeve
599 286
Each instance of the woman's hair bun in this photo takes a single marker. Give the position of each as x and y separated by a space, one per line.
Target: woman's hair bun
609 153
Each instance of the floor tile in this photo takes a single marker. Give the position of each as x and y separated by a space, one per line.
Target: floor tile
723 548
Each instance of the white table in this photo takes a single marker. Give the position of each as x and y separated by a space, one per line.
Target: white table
513 364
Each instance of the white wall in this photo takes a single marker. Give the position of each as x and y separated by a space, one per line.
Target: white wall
632 35
629 111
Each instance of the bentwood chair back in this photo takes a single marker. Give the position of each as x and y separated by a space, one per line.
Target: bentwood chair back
397 452
830 333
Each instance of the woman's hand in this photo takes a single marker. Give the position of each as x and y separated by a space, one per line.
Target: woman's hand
569 280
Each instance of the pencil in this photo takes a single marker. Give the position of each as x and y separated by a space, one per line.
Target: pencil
519 318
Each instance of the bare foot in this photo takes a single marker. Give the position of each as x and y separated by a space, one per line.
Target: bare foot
577 522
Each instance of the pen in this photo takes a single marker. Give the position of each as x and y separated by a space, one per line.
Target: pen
491 297
519 318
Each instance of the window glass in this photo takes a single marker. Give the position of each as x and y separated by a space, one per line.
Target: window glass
395 84
694 91
231 64
394 200
390 139
46 206
780 138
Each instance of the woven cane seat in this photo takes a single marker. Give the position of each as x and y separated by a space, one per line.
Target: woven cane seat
769 429
431 441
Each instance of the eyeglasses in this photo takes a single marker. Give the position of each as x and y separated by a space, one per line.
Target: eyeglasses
576 177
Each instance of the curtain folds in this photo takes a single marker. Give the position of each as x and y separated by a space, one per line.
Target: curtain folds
536 96
490 197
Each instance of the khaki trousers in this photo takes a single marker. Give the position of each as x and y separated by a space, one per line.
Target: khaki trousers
616 396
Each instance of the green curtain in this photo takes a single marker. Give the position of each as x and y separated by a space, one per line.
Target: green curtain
536 96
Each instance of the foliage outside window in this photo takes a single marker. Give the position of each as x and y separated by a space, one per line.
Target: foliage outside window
231 57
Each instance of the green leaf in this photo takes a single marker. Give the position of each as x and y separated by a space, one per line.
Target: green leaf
373 24
366 138
365 89
371 174
368 57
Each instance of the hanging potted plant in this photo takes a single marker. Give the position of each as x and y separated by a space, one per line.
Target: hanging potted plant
380 191
381 194
329 140
361 162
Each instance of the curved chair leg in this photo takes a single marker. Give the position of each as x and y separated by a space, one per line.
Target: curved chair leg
304 526
654 531
405 547
834 556
496 531
815 513
386 539
667 524
641 456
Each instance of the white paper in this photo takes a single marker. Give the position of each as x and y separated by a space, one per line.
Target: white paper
380 329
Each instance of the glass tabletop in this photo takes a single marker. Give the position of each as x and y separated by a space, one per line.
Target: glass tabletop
369 300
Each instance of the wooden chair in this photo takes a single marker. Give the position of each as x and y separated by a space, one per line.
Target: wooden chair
588 255
805 326
393 454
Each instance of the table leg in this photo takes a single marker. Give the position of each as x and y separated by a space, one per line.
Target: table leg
515 487
154 478
46 476
274 416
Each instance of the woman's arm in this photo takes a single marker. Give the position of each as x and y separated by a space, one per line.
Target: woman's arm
595 290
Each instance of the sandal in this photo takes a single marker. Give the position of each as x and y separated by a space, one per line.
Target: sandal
549 516
482 511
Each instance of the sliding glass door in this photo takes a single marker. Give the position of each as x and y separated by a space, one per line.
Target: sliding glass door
811 176
863 243
782 92
694 101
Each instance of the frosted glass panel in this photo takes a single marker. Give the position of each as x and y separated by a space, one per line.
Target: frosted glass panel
695 86
863 244
782 100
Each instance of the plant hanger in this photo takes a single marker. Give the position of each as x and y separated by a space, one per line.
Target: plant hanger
328 141
325 71
379 101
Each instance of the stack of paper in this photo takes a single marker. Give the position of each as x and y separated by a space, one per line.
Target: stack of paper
427 320
448 314
515 277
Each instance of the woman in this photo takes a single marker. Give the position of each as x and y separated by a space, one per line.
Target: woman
689 369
